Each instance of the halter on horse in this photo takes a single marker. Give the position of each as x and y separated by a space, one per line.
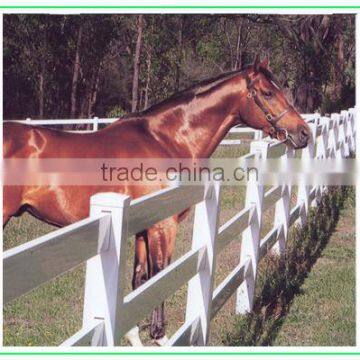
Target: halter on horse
188 125
274 129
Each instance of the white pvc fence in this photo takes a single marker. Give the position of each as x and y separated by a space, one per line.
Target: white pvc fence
101 241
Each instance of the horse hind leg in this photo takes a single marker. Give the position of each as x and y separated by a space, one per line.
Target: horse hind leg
140 276
153 252
161 240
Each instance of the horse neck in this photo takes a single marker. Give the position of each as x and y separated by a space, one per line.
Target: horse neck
194 129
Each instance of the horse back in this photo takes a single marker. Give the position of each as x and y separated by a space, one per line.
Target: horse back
130 139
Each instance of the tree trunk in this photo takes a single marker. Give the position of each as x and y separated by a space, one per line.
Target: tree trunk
312 36
308 92
238 59
41 91
135 85
148 78
89 100
179 53
340 66
93 97
42 72
75 80
231 52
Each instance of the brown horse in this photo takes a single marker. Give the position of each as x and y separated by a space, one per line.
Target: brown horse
190 124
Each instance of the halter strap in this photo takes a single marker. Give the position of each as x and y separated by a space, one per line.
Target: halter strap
252 94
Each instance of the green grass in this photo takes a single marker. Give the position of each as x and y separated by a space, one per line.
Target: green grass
324 312
311 300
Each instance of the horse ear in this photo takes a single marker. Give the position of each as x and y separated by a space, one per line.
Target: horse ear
256 65
265 63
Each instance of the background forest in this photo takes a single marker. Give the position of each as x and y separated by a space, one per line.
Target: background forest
80 66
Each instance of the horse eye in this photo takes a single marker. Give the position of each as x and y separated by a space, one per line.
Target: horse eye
267 94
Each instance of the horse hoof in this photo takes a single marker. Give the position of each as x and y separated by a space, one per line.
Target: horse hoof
132 336
162 341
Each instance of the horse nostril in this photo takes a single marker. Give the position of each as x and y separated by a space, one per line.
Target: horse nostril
304 134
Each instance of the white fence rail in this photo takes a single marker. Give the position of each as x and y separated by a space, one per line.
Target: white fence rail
101 241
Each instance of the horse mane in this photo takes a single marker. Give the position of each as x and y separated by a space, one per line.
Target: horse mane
187 94
197 89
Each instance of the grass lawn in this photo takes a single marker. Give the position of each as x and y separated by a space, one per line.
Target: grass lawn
323 314
311 300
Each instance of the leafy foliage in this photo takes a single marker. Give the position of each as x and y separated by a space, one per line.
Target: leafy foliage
313 56
116 112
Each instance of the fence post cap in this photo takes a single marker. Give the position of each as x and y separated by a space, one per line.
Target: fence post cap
110 199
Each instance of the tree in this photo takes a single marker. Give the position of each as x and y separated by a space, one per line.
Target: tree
135 86
314 38
62 66
76 73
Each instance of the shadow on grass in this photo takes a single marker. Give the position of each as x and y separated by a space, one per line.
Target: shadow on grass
279 281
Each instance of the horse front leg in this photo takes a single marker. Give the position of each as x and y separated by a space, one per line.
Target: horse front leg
161 241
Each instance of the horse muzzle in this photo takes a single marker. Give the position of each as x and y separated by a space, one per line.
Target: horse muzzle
302 137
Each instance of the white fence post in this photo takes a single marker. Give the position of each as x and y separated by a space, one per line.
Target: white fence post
333 137
282 211
346 147
340 150
338 137
200 288
251 236
330 138
304 189
329 141
96 124
258 135
348 132
105 272
320 153
323 139
352 129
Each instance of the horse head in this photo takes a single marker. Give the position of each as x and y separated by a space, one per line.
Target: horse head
265 107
